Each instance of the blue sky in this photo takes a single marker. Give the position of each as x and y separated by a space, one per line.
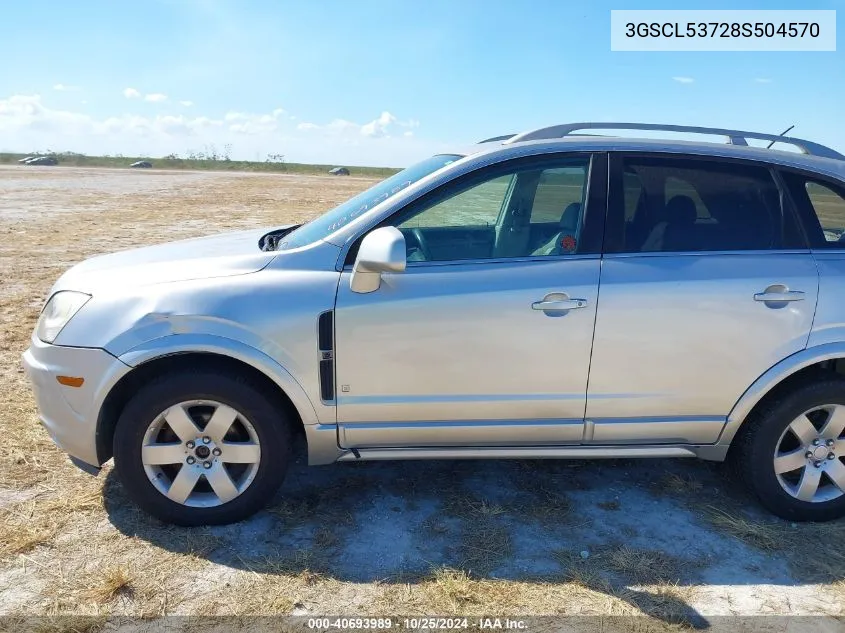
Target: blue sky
375 81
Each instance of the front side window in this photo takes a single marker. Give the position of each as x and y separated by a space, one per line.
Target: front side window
529 212
688 205
478 206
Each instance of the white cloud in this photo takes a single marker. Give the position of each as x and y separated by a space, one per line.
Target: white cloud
155 97
131 93
250 123
762 80
28 123
683 80
342 125
66 88
379 127
187 104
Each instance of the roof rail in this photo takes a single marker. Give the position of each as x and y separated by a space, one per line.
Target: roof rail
735 137
503 137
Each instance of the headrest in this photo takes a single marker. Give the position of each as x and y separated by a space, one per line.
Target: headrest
569 219
681 210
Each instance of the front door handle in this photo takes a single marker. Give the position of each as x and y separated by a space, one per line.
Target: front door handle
776 297
559 304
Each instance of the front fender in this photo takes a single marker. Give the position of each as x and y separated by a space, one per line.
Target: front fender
774 376
212 344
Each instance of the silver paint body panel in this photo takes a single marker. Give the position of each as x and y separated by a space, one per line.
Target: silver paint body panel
460 343
680 337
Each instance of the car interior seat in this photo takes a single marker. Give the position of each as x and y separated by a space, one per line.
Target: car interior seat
568 227
674 232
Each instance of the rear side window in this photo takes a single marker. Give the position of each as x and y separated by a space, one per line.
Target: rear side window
688 205
633 189
823 205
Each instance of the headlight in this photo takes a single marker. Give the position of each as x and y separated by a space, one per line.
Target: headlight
59 310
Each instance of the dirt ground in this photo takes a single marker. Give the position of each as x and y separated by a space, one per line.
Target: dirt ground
673 540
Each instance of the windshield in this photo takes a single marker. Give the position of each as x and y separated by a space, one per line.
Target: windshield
341 215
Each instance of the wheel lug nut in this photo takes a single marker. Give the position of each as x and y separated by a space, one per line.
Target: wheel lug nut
817 464
816 442
808 454
190 459
190 444
206 440
831 456
829 443
216 451
206 465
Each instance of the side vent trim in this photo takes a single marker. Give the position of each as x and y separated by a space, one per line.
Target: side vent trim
325 343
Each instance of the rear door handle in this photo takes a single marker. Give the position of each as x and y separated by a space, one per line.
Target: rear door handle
786 295
559 304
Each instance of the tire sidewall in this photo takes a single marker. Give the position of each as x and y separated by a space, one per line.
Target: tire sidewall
764 441
269 422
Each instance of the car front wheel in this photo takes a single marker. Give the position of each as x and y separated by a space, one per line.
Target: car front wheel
201 448
792 455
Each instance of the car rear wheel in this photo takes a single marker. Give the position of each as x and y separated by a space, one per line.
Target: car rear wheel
792 455
201 448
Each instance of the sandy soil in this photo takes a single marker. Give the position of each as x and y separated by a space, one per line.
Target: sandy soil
675 541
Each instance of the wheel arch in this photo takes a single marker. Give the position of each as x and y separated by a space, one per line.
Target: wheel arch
147 364
803 366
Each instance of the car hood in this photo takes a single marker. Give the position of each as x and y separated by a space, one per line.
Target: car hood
222 255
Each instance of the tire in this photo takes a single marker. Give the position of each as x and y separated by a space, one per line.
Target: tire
775 431
261 428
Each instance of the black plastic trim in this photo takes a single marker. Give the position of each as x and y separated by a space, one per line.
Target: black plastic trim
325 343
327 379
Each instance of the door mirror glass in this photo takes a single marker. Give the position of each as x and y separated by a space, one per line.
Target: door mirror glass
381 251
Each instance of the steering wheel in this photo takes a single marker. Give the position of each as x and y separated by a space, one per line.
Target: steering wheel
421 244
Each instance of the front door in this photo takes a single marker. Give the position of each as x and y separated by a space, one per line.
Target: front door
485 338
706 285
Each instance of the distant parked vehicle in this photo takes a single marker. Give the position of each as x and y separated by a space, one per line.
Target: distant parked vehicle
42 160
143 164
339 171
26 160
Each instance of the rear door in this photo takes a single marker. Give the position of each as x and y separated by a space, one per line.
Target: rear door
821 202
706 283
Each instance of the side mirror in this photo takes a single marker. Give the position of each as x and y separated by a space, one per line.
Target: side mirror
382 251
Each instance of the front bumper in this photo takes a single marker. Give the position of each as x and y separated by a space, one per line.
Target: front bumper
70 413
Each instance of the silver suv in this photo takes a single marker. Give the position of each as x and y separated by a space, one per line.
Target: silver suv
541 295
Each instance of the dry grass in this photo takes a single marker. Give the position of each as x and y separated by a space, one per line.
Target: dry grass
677 484
633 566
484 546
111 582
760 535
449 591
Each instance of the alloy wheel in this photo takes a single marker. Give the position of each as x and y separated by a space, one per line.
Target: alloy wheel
201 453
808 459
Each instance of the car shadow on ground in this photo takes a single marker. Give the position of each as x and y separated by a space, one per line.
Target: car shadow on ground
623 527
